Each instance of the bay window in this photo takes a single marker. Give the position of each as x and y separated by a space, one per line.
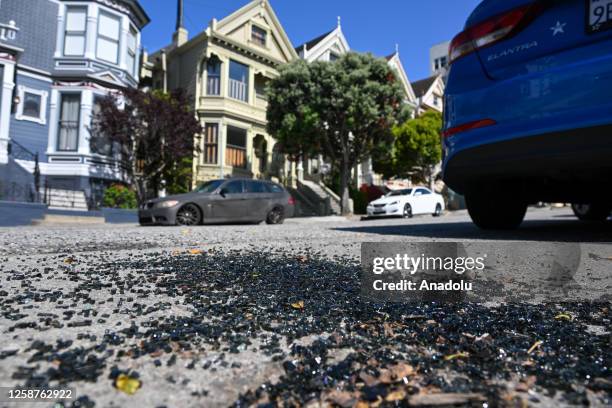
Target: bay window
99 143
236 147
107 47
132 41
211 142
75 32
68 137
239 81
213 73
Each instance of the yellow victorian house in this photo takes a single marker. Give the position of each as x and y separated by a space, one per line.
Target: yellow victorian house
225 69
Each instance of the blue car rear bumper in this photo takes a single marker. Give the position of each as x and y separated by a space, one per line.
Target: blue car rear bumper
552 128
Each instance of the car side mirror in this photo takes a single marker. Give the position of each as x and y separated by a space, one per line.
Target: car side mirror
222 192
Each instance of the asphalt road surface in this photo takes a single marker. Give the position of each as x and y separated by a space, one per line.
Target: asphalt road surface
254 314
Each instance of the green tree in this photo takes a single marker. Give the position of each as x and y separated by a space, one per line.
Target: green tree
156 131
340 109
417 149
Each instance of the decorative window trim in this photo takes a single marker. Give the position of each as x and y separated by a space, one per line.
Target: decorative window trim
44 95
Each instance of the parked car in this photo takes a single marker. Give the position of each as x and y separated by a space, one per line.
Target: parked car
221 201
406 203
528 112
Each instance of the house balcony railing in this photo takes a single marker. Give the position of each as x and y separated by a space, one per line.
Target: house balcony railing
29 191
238 90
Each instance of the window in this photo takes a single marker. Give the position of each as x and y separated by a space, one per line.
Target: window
422 191
239 81
253 186
333 57
259 35
236 147
260 86
132 40
233 187
209 186
213 73
99 142
436 100
108 38
405 192
274 188
33 105
211 141
68 138
76 29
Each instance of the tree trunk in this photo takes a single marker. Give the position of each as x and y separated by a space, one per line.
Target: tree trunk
431 177
345 174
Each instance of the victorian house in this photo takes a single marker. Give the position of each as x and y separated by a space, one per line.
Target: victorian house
329 47
57 59
225 69
430 94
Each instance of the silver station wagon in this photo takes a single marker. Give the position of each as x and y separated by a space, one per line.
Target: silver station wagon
221 201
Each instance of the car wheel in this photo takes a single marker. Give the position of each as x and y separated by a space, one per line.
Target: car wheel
504 213
189 214
407 211
591 212
438 211
275 216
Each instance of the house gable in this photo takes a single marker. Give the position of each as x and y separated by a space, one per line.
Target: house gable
334 42
395 62
238 27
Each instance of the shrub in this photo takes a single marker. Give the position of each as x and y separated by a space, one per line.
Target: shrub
360 200
119 196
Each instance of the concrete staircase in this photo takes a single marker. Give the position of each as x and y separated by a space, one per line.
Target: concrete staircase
324 201
66 199
303 206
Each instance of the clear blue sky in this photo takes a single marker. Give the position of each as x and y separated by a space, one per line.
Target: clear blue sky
374 26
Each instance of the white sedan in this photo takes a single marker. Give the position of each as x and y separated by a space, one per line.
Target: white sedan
406 203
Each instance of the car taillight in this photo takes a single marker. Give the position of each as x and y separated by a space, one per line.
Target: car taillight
492 30
291 200
468 126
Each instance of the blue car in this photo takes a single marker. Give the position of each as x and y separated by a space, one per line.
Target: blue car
528 112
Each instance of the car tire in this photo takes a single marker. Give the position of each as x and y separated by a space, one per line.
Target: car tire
592 212
189 215
407 213
504 213
438 211
275 216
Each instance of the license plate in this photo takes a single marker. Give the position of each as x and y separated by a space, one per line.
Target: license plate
379 212
599 15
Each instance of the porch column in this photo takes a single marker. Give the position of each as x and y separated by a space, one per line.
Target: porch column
8 84
300 170
369 171
250 157
221 146
85 120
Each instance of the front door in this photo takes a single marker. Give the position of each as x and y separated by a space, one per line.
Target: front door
230 203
